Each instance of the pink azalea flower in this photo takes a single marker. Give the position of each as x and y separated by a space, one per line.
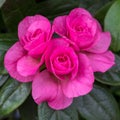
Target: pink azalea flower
68 75
34 32
25 57
85 34
70 61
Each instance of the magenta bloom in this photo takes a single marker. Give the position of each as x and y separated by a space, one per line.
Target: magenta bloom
70 61
34 32
85 34
25 57
68 75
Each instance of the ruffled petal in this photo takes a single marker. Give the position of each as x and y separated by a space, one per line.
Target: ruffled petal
12 56
14 53
44 87
78 12
12 69
35 42
59 25
53 44
42 24
101 62
27 66
60 101
101 44
83 83
38 51
26 22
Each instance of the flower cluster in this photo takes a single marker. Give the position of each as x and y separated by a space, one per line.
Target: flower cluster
60 68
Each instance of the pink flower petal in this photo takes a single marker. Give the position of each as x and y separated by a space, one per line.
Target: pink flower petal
51 33
26 22
101 62
102 44
78 12
83 83
72 63
54 43
81 29
15 53
34 43
42 24
14 74
27 66
61 101
59 24
44 87
38 51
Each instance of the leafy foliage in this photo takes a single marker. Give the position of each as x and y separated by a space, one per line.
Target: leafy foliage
98 105
112 24
12 95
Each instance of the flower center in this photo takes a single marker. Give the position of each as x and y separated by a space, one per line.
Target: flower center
36 33
62 58
79 28
62 62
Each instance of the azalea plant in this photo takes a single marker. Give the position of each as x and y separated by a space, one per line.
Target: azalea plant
59 60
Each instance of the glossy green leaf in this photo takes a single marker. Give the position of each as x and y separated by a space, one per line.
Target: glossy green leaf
11 15
46 113
2 2
115 90
97 105
2 68
28 110
2 24
112 76
17 10
3 79
20 8
101 13
6 41
112 24
94 5
12 95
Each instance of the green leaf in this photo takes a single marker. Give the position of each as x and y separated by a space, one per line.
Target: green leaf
3 79
6 41
12 95
94 5
11 15
97 105
14 11
2 24
115 90
112 76
2 2
101 13
46 113
112 24
28 110
2 69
